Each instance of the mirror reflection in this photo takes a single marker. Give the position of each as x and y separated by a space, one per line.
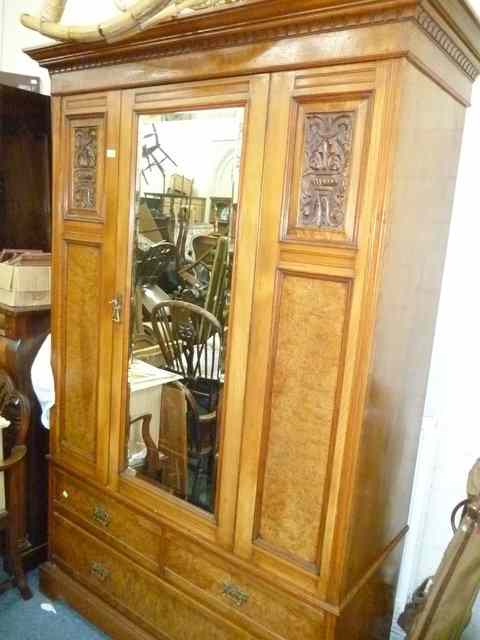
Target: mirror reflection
185 218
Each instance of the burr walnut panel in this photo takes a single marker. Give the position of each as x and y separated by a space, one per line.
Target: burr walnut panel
305 378
324 174
86 150
81 343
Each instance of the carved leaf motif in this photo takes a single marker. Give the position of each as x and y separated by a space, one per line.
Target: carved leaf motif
326 169
85 155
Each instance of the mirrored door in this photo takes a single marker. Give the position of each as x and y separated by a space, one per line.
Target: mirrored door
186 207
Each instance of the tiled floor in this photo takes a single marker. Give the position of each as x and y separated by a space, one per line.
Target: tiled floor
36 620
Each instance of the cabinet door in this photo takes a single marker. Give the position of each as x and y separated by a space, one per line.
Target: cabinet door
86 137
192 162
324 186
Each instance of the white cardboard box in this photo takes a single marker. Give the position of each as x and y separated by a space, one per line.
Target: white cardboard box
24 285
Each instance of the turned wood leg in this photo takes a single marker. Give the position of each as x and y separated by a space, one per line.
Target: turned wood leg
16 564
15 558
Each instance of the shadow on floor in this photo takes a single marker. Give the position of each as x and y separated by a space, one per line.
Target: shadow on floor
21 620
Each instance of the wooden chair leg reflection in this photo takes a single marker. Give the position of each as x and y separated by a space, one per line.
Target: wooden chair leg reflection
8 523
14 423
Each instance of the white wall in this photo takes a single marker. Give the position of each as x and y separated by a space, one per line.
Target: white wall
451 435
14 37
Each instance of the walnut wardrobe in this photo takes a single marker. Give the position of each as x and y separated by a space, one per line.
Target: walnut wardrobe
344 123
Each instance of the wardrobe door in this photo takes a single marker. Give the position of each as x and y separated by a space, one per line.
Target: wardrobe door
323 195
86 134
191 174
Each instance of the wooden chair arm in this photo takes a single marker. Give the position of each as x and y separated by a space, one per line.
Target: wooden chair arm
142 417
207 417
17 454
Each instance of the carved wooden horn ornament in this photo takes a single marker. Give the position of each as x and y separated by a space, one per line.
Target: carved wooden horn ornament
134 18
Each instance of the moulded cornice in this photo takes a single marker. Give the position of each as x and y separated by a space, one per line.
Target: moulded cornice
254 21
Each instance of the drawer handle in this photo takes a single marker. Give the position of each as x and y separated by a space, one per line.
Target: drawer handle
235 594
99 572
101 516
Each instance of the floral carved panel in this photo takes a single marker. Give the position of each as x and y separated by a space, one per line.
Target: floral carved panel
85 161
326 169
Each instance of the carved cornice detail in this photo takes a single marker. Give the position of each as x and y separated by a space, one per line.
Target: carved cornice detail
431 27
286 28
278 28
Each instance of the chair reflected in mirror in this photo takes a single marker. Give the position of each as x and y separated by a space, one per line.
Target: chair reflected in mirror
190 340
182 457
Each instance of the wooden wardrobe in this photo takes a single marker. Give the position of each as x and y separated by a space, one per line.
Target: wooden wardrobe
353 114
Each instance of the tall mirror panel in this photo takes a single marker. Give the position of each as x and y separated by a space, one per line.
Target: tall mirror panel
185 220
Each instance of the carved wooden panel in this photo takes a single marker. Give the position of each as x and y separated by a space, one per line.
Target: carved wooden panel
81 344
324 172
85 162
85 157
306 377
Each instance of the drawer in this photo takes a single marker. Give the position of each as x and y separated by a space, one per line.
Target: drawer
144 598
119 525
281 615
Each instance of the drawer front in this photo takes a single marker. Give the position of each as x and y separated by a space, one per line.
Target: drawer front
143 597
118 524
281 615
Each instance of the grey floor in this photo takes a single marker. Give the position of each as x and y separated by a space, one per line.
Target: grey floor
35 619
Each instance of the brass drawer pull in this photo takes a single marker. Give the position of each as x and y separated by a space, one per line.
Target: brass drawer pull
101 516
235 594
99 572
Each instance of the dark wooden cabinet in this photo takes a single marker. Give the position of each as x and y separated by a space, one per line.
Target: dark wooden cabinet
25 169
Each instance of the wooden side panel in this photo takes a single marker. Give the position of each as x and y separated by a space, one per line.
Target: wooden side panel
81 338
368 613
424 174
85 221
305 374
